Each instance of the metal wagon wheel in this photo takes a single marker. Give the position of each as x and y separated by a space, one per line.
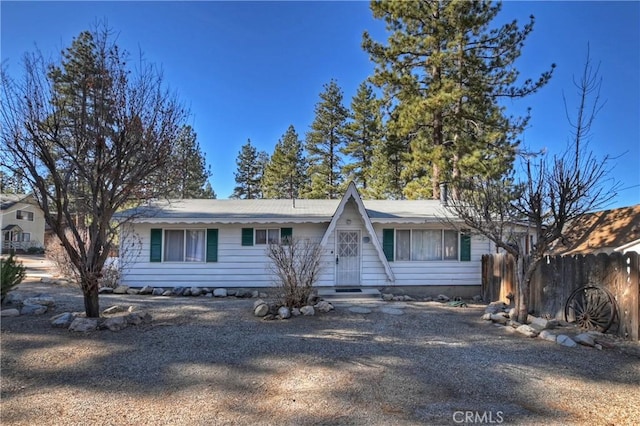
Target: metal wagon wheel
591 308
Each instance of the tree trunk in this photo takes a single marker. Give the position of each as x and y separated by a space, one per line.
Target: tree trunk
524 274
91 303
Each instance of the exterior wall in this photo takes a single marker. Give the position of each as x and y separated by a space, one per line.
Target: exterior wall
237 265
438 273
35 228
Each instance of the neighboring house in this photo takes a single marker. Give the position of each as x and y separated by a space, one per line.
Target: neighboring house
607 231
378 243
22 222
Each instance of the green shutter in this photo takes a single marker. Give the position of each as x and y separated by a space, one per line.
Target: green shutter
465 246
285 235
247 236
156 245
387 243
212 245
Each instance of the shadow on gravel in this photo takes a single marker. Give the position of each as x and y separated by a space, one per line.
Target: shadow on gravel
337 368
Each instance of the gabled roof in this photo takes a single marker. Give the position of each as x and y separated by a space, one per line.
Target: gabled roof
600 231
352 193
9 200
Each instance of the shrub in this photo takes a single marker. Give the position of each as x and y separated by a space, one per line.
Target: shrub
35 250
11 274
296 264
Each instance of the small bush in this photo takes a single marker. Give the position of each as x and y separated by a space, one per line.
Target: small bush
11 274
35 250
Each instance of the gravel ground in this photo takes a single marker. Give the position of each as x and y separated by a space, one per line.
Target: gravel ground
209 361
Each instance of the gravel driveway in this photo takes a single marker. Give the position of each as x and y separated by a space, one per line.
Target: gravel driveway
209 361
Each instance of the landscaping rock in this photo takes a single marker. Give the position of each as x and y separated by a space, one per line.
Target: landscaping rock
147 289
486 317
133 291
442 298
177 291
116 309
62 320
116 323
263 295
408 298
359 310
261 310
513 314
565 340
391 311
268 317
255 294
312 299
83 324
11 312
495 307
186 292
105 290
477 298
296 312
13 298
499 318
547 335
157 291
387 297
121 289
196 291
527 330
243 293
538 323
33 310
137 318
323 306
307 310
220 292
167 293
585 339
284 312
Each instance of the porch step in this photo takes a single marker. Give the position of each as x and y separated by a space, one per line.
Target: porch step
348 293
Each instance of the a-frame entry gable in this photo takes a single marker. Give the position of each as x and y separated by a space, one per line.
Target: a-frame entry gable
352 192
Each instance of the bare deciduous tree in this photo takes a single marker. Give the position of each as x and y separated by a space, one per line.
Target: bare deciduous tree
296 265
90 136
551 192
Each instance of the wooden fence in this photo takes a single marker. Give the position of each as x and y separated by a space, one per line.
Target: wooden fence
557 276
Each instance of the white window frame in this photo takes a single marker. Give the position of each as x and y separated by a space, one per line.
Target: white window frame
267 238
24 215
443 256
184 245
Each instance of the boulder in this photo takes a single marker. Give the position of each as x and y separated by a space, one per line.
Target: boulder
116 323
13 298
499 318
263 295
585 339
196 291
137 318
62 320
147 289
408 298
258 303
114 310
312 299
167 293
133 291
387 297
477 298
495 307
177 291
296 312
442 298
186 292
83 324
547 335
231 292
307 310
105 290
220 292
513 314
565 340
527 330
538 323
157 291
261 310
323 306
121 289
33 310
11 312
255 294
243 293
284 312
486 317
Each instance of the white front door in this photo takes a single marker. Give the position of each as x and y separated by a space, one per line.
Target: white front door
347 258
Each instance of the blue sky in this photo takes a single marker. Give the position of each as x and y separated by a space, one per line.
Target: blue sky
250 69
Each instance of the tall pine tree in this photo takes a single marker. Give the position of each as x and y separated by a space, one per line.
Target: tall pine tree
284 176
362 134
446 69
324 141
190 173
249 172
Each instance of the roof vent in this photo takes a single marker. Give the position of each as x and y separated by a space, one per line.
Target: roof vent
444 194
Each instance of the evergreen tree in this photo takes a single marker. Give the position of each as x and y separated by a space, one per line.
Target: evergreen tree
250 164
284 176
445 68
190 174
323 144
389 156
362 134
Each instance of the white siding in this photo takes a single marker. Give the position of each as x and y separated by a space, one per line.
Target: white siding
34 227
237 265
446 272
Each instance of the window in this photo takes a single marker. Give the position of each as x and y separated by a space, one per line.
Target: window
271 236
26 237
184 245
22 215
426 244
